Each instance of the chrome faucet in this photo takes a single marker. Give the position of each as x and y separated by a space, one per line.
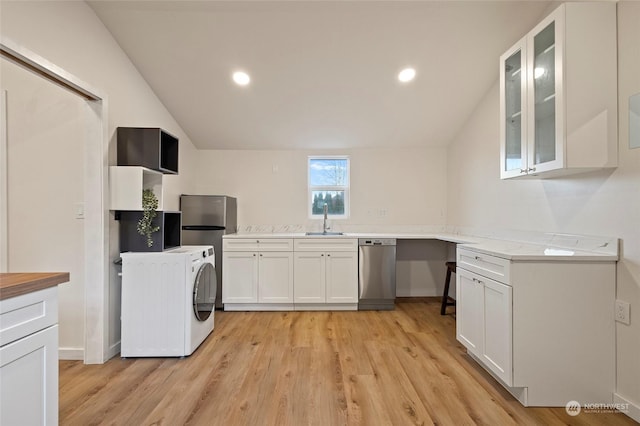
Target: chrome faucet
325 228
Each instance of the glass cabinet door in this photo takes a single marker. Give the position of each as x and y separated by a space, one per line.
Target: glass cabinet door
544 102
513 116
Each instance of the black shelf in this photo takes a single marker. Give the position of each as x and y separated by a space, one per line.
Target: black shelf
148 147
169 235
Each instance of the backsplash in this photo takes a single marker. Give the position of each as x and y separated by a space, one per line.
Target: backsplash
336 227
270 229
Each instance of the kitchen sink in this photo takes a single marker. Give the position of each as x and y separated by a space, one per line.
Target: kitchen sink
324 233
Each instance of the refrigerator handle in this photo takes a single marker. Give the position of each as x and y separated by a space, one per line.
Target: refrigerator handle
203 228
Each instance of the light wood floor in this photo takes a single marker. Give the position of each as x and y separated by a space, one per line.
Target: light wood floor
399 367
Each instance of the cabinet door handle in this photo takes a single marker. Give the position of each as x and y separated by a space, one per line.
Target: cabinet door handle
260 254
257 241
531 169
478 258
328 255
523 170
322 255
475 280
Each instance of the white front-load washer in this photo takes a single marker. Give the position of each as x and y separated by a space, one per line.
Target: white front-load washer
168 301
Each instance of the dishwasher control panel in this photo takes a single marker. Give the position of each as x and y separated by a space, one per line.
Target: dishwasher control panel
377 242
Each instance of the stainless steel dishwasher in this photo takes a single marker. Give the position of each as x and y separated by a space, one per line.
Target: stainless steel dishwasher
376 273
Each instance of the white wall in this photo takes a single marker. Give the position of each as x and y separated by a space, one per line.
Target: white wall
271 186
45 146
603 203
389 189
69 35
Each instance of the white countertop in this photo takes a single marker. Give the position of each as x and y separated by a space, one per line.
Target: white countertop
511 250
519 251
453 238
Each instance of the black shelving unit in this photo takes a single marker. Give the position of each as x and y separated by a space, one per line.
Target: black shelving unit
167 237
149 147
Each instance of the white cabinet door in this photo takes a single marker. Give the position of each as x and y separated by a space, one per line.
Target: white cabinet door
29 380
484 321
309 277
342 277
545 101
275 277
240 277
469 307
513 107
497 349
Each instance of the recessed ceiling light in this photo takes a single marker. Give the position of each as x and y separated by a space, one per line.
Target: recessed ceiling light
241 78
406 75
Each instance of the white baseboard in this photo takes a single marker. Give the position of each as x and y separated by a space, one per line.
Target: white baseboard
71 354
634 409
114 350
77 354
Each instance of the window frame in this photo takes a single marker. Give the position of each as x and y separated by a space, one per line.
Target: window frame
312 188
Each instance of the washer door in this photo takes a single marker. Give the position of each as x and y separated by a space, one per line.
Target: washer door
204 292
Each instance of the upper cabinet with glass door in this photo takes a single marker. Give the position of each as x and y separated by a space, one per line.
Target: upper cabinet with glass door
513 107
558 100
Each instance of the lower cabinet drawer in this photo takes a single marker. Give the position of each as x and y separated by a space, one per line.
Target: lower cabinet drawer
326 244
26 314
486 265
257 244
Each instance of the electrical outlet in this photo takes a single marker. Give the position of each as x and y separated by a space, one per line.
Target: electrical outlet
622 312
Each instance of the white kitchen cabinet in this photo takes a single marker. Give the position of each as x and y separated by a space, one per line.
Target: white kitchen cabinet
309 277
538 325
29 359
326 279
342 277
275 277
483 321
558 94
239 277
260 279
469 311
497 345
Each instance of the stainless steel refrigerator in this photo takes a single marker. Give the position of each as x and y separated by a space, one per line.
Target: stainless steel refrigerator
205 219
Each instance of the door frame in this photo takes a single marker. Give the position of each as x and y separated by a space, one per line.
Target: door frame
96 216
4 175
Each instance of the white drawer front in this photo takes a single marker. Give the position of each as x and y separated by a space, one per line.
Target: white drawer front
257 244
26 314
240 244
486 265
326 244
275 244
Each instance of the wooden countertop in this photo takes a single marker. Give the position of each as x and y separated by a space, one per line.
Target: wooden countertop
17 284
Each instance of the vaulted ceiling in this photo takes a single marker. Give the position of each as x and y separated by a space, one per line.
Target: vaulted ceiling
323 73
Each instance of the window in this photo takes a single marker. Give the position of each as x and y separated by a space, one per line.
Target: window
329 184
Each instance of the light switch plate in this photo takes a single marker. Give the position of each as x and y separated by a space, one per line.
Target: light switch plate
79 210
